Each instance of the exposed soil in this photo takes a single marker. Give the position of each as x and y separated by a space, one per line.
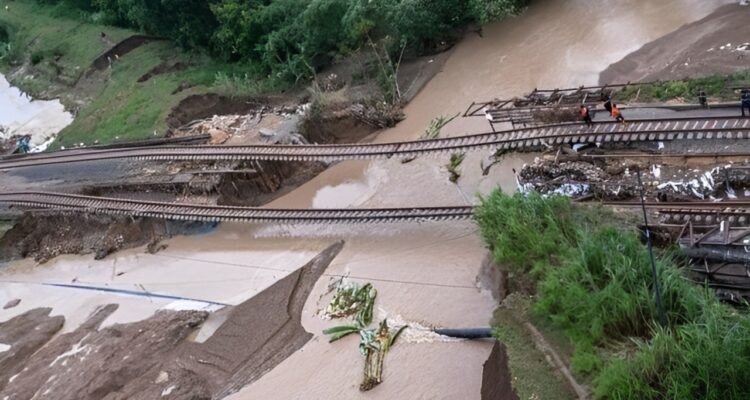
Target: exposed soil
153 358
202 106
25 334
94 364
273 180
120 49
45 237
163 69
696 49
336 126
494 278
496 380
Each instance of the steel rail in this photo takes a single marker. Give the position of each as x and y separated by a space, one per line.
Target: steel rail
525 138
214 213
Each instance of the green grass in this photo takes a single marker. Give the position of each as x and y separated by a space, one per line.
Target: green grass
55 46
593 282
717 86
62 48
5 226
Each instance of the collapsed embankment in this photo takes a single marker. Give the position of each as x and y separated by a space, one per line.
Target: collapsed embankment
45 237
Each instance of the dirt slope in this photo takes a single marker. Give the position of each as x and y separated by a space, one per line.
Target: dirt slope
696 49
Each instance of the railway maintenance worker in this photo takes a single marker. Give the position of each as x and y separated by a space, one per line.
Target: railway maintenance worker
607 103
745 101
617 114
585 115
702 99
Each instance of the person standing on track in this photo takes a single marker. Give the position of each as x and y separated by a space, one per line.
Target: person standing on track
745 101
702 99
617 114
585 115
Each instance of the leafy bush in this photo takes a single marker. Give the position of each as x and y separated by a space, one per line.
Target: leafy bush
485 11
37 57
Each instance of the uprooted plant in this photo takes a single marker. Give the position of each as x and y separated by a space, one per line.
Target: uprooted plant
437 123
455 162
358 301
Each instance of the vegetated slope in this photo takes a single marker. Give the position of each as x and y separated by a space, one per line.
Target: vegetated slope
592 280
53 54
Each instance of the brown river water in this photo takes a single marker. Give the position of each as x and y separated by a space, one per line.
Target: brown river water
425 273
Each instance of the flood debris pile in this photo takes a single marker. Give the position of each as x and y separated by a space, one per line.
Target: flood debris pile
358 301
618 180
279 127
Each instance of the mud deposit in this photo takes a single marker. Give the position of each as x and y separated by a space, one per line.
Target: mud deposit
45 237
152 358
717 44
496 380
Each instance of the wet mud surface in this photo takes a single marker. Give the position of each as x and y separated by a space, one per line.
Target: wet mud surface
155 358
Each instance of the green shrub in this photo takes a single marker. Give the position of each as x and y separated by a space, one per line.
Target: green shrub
505 220
37 57
485 11
707 359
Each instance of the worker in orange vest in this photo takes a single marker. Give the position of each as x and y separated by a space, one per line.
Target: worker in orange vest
585 115
617 114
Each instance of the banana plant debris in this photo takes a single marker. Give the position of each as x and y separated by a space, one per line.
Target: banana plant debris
358 301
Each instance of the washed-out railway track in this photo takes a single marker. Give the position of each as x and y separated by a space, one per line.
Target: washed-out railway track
213 213
517 139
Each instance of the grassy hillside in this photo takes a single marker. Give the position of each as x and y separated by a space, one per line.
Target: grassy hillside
52 48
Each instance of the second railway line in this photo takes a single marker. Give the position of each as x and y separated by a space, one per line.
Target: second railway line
690 128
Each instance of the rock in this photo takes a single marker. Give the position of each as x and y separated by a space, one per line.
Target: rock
218 136
11 304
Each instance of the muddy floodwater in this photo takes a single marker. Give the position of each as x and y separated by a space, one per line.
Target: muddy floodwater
425 273
22 115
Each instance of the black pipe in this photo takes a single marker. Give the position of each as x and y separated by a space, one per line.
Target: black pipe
725 254
466 333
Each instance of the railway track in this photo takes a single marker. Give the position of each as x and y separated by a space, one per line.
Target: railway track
525 138
182 140
213 213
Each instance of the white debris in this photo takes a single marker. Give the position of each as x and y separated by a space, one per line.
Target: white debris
163 377
660 145
186 305
415 333
4 347
77 348
578 146
168 390
656 171
572 189
42 147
